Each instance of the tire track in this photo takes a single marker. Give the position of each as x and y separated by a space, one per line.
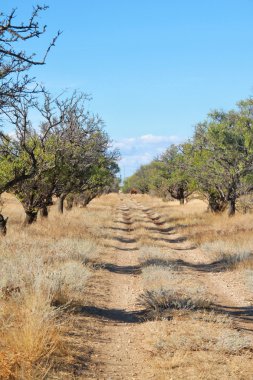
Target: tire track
118 348
206 274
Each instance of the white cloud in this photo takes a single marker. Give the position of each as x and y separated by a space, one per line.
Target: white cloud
145 140
137 151
152 139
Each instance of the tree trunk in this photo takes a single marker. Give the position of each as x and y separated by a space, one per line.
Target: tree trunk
44 211
181 200
70 203
216 204
3 223
31 217
61 203
231 207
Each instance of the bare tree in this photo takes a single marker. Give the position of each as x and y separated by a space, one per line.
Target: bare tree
15 62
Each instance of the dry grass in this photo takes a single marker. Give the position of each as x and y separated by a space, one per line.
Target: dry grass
160 304
166 288
230 254
153 255
222 238
198 341
200 348
43 270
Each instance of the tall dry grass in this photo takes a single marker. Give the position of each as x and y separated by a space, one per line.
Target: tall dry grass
43 272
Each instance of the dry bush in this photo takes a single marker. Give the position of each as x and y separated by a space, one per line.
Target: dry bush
165 285
31 267
209 227
159 304
227 239
228 253
143 236
201 226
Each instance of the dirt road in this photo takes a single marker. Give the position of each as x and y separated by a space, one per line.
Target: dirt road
118 342
117 337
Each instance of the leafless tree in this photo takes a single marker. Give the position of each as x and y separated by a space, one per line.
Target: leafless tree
15 62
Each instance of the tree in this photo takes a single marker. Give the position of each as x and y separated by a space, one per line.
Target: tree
176 172
85 161
140 180
69 152
27 159
15 62
17 91
224 154
21 155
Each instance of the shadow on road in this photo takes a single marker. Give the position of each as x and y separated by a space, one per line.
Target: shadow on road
126 229
116 315
124 239
122 249
129 269
160 230
216 266
240 313
176 240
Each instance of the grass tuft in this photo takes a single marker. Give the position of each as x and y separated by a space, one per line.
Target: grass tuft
159 304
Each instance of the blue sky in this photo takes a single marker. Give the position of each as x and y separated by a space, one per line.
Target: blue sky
153 68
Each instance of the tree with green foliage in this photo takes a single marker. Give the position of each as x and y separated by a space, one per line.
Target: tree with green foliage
223 156
68 152
17 92
145 180
176 172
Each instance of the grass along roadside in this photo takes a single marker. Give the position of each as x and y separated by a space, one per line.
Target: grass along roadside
43 270
188 337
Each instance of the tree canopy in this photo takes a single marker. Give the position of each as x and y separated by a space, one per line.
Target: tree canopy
68 151
216 162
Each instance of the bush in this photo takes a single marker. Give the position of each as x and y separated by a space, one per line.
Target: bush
160 303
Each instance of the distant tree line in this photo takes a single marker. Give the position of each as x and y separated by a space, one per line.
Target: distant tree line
66 154
216 163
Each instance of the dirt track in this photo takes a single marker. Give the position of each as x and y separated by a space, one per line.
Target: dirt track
118 339
118 351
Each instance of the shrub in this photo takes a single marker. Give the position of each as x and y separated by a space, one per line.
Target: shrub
160 303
